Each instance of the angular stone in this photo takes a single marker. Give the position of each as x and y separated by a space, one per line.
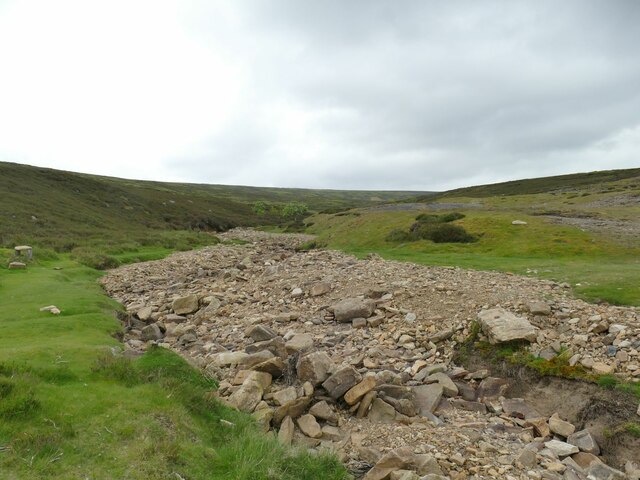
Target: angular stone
309 426
263 417
320 288
17 266
450 389
229 358
365 403
560 427
540 425
285 396
381 412
323 411
351 308
185 305
247 397
561 449
355 393
144 313
341 381
600 368
539 308
287 429
314 367
331 433
260 333
427 397
502 326
527 458
151 332
584 441
585 460
292 409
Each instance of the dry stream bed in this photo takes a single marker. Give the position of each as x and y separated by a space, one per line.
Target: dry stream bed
363 357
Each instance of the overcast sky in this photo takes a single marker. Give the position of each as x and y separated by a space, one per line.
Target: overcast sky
366 94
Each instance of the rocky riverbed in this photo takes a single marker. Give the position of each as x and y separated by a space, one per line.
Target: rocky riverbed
357 356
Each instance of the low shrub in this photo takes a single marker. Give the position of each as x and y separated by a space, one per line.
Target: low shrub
94 259
448 233
398 235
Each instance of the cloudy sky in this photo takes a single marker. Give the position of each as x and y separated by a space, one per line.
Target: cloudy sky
366 94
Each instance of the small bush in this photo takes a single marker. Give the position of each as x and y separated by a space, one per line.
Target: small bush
427 218
451 217
398 235
310 245
448 233
444 218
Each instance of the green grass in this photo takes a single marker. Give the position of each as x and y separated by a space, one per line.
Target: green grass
69 408
596 267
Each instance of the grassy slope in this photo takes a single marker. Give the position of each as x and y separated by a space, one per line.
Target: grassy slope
69 409
83 207
601 268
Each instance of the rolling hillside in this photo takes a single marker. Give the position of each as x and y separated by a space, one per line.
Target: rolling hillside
39 204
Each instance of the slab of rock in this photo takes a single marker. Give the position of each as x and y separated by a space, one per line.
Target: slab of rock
314 368
341 381
601 368
309 426
351 308
427 397
501 326
561 449
355 393
560 427
275 345
17 266
185 305
584 441
585 460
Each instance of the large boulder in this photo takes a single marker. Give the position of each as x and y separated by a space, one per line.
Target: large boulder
185 305
351 308
502 326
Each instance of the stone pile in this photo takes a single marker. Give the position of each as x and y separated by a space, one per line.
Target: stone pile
356 356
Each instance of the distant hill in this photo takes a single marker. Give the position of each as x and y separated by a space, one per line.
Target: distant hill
42 203
558 183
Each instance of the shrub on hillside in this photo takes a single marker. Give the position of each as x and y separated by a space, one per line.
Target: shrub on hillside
447 233
398 235
94 259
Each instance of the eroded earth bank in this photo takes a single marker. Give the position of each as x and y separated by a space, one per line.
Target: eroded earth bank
358 356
